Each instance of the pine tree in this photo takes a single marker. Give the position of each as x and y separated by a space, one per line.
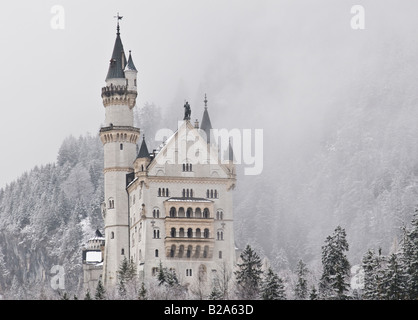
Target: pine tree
372 265
142 295
334 282
301 289
248 275
215 294
87 296
126 274
272 287
313 295
410 258
100 291
393 280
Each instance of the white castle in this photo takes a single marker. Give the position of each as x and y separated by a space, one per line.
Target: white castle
172 206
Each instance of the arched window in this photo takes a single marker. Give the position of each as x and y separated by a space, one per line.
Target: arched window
159 192
158 213
181 233
158 234
189 251
172 251
197 253
184 167
190 167
187 193
122 251
187 167
189 233
207 193
181 251
198 213
112 235
156 253
163 192
111 203
184 193
191 193
189 212
205 252
181 212
173 232
206 233
166 192
211 193
206 213
172 212
220 254
216 194
121 146
198 233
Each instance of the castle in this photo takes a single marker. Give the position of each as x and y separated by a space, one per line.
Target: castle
172 206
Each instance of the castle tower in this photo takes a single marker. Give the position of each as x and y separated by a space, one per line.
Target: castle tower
119 138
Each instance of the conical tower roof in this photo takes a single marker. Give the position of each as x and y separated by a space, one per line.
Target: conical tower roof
118 60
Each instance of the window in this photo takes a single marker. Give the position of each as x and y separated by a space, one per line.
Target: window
189 233
219 215
156 213
189 212
198 233
122 251
156 253
220 235
172 251
187 167
189 251
206 213
156 233
172 212
163 192
135 82
111 203
220 254
121 146
181 233
206 233
213 194
154 271
188 272
173 232
112 235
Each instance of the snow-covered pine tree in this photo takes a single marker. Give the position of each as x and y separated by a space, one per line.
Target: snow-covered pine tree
409 258
100 291
393 280
272 287
301 288
334 282
248 275
373 268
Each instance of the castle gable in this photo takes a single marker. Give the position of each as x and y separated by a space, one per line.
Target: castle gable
186 153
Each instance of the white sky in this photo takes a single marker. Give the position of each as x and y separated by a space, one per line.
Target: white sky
283 56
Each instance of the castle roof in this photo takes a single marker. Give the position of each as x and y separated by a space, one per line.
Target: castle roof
118 60
130 65
143 151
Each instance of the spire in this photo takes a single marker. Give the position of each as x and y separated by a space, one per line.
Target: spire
143 151
206 125
130 65
118 60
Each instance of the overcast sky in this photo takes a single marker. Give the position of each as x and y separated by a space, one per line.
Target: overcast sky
276 65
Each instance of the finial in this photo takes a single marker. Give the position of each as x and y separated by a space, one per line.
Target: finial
205 101
118 28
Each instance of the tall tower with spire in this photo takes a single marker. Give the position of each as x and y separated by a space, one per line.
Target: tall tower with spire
119 138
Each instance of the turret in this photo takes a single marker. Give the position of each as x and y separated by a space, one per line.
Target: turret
142 160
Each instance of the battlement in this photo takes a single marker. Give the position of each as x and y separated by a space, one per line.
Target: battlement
119 94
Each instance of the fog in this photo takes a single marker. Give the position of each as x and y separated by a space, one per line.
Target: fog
295 69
